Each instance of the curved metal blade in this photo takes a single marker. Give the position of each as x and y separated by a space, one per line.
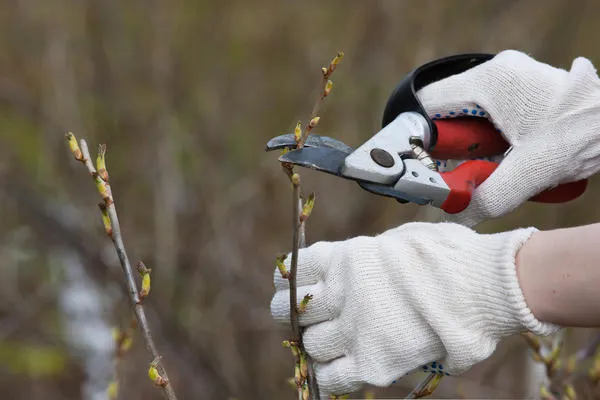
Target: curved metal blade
389 191
324 159
331 161
289 141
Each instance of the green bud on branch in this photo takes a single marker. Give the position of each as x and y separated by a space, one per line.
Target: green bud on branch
307 208
102 187
303 366
545 393
112 390
145 273
105 219
304 303
145 289
332 65
292 383
305 391
296 179
293 346
285 274
101 162
311 125
74 146
142 269
570 392
155 376
297 376
327 90
298 132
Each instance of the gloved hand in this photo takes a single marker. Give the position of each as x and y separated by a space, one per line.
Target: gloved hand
383 306
550 116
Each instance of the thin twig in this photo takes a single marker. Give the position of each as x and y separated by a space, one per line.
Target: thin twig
422 385
325 89
589 349
122 341
299 240
306 382
301 229
313 385
294 263
417 392
82 154
426 386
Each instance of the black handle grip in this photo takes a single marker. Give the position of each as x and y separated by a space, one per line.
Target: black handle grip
404 97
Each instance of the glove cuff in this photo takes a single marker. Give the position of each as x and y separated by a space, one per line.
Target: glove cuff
501 296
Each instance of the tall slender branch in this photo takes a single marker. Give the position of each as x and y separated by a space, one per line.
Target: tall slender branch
305 379
294 262
113 230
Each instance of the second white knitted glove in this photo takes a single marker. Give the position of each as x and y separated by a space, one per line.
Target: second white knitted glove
550 116
383 306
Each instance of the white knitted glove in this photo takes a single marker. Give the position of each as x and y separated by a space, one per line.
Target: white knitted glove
550 116
383 306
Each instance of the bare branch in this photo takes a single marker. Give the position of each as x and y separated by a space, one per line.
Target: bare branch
82 153
306 381
294 263
325 89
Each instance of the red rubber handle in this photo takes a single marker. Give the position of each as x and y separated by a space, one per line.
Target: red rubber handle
465 138
463 180
469 137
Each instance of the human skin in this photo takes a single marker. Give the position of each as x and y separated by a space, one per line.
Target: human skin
559 274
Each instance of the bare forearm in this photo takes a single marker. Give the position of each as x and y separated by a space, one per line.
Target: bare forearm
559 273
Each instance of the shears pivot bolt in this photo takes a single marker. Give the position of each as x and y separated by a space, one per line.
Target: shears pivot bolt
382 158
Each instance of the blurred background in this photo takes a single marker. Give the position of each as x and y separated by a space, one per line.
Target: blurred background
185 94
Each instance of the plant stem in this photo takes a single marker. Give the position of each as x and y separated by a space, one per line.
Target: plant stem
416 392
299 241
294 262
117 239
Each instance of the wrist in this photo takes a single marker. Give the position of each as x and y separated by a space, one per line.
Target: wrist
558 272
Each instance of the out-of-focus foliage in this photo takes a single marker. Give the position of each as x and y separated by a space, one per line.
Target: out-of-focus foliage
185 94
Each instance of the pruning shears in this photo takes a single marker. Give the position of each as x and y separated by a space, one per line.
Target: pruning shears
398 161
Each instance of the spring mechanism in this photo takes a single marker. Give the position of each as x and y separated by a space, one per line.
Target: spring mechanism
416 144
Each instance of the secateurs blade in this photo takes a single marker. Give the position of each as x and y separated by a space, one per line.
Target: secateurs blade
398 160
